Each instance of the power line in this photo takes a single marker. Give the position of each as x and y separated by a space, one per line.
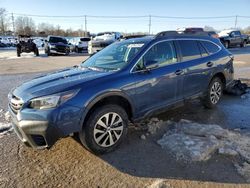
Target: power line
182 17
133 16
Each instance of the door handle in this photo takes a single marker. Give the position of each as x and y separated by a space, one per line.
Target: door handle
210 64
179 72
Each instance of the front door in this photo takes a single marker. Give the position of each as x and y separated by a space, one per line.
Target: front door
159 81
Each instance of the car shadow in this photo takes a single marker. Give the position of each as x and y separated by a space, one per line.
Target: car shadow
145 158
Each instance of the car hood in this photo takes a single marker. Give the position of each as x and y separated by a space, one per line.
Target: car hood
59 81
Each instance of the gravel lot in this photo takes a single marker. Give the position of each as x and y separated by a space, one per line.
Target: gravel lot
139 162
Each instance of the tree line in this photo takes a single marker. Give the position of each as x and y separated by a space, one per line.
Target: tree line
26 26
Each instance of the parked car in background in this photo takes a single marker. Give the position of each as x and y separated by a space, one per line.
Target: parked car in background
101 40
190 30
26 44
232 38
79 44
39 42
5 41
248 39
125 82
56 45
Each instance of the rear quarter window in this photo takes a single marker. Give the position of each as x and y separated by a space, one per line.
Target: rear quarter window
211 47
189 49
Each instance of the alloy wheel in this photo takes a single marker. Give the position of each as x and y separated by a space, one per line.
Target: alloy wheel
215 92
108 129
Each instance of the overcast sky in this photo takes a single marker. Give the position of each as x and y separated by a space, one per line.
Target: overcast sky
175 8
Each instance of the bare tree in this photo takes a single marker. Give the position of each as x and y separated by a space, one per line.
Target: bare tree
25 26
3 21
46 28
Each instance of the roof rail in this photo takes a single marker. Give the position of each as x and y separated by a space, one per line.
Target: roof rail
175 33
133 36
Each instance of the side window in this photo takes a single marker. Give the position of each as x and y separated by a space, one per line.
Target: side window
189 49
203 50
237 33
160 54
211 48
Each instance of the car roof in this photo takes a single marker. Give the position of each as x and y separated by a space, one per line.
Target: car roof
174 37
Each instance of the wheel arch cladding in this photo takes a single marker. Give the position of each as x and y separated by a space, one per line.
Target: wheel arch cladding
116 98
221 76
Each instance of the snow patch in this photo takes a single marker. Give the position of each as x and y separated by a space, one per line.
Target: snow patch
190 141
5 125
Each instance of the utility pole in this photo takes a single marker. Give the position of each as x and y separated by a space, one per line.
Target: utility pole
149 25
236 21
85 18
13 23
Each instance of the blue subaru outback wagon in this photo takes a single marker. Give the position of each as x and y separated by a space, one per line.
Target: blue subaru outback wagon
125 82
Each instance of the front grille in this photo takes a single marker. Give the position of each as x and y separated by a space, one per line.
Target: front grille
15 103
60 48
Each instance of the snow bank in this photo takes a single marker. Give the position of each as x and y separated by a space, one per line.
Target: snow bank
190 141
5 125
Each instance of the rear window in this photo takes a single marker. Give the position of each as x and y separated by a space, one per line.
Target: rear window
189 49
203 50
211 47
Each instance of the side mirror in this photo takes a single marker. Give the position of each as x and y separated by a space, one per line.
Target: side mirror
232 35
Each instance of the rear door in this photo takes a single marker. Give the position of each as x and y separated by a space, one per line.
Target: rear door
197 66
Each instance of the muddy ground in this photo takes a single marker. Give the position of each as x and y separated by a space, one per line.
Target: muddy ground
137 162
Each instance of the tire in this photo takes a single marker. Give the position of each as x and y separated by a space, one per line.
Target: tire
36 52
67 52
226 44
76 50
48 52
97 135
213 93
243 44
18 53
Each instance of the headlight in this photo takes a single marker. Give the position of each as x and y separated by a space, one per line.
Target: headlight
52 101
52 46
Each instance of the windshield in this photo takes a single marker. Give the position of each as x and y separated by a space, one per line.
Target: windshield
114 57
57 40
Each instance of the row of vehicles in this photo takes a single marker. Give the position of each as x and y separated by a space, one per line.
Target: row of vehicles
61 45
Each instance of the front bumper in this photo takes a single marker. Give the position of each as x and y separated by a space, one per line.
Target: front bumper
57 52
35 133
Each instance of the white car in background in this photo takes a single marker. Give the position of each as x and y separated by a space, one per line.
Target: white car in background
79 44
102 40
